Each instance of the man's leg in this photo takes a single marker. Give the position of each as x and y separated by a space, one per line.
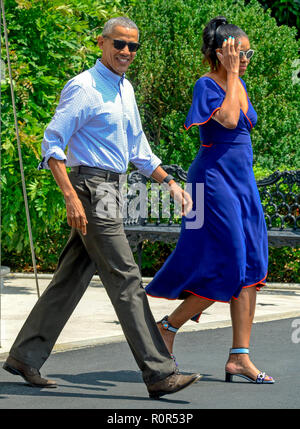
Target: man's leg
121 278
73 274
123 282
107 245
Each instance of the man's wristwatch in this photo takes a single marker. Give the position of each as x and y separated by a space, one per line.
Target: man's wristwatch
168 179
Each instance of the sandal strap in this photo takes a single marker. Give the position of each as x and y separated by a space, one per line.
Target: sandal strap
260 377
241 350
167 325
174 359
176 369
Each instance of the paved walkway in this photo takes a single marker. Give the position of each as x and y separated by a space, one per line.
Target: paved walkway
94 321
105 379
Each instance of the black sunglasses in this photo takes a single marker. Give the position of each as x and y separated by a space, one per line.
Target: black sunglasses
120 44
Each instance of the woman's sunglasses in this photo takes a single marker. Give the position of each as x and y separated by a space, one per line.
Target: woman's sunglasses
248 54
120 44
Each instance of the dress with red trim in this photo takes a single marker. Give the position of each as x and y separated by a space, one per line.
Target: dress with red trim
223 245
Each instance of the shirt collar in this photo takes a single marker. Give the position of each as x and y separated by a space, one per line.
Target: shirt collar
108 74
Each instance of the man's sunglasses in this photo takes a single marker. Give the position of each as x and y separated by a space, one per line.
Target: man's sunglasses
248 54
120 44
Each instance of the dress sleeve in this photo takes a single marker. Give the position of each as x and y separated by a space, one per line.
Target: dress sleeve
207 99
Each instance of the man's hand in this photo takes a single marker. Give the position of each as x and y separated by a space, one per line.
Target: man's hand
182 197
75 213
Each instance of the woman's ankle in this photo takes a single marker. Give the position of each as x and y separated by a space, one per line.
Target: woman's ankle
167 336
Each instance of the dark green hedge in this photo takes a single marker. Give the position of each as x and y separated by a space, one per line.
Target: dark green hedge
170 62
283 262
51 41
284 11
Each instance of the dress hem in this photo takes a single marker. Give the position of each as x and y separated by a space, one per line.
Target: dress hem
260 282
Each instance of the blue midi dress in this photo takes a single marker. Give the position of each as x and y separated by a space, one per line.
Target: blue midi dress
229 249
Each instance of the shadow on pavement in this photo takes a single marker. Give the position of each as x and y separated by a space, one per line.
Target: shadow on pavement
96 378
84 382
16 290
18 389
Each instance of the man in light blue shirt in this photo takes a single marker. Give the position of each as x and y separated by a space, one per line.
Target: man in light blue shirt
89 104
98 119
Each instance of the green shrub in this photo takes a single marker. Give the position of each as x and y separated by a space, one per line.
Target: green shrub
283 262
166 69
284 265
285 11
170 62
51 41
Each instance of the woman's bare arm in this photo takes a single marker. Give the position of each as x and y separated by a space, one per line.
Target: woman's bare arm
229 113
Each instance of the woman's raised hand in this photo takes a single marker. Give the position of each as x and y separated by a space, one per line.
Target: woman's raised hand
230 56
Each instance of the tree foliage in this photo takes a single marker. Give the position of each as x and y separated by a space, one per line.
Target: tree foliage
170 62
285 11
51 41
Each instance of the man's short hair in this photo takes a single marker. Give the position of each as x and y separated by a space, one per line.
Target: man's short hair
122 21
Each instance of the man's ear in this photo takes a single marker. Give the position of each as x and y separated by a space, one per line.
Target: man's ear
100 40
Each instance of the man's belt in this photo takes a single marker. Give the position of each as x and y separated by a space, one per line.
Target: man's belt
95 171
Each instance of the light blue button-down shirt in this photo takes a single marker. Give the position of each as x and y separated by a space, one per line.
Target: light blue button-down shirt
97 117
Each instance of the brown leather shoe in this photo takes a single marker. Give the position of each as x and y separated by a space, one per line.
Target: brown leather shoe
31 375
172 384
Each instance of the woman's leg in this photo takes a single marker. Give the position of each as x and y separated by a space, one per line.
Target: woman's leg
187 309
242 314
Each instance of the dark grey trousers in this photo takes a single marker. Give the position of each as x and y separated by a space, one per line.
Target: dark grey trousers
104 249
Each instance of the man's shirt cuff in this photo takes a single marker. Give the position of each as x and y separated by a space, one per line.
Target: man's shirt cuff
148 168
54 152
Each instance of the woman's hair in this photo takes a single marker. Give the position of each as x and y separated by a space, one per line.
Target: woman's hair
214 34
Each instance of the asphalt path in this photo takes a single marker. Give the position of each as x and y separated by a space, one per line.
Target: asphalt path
106 377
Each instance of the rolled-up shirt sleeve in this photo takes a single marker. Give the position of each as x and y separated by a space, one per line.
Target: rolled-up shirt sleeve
71 114
143 157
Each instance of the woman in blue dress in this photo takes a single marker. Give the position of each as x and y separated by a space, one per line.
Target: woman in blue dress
226 258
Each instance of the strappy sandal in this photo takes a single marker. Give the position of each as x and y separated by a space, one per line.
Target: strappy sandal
260 378
167 325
